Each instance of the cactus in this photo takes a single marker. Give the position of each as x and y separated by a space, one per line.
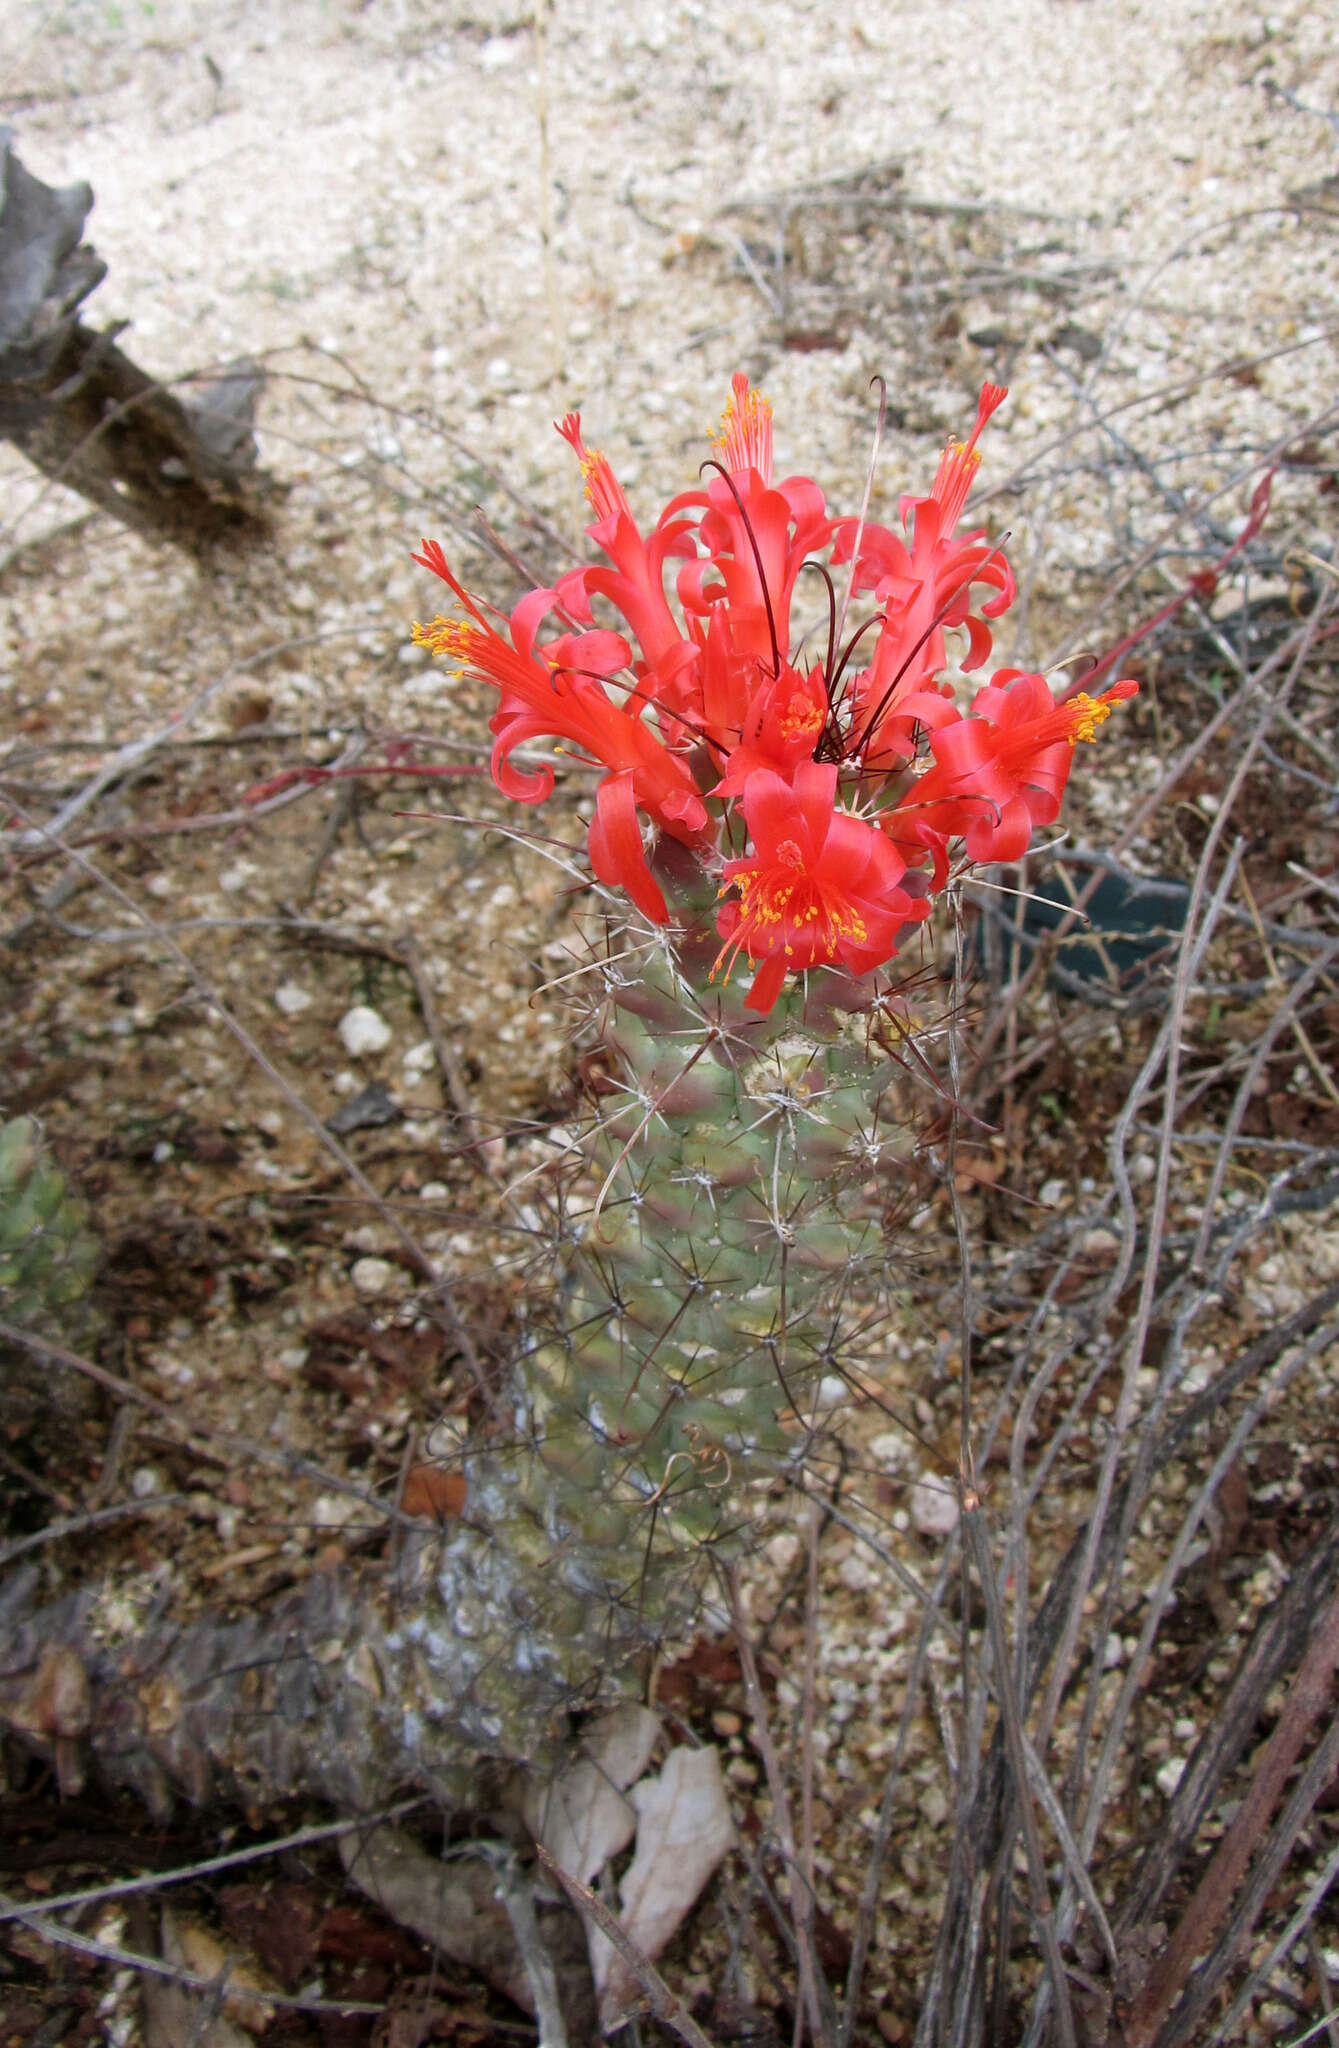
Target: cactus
695 1306
47 1257
826 801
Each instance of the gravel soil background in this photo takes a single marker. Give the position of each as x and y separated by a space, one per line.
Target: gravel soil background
438 229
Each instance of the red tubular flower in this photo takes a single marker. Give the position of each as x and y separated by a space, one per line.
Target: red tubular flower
636 582
923 588
1000 773
755 536
820 886
695 697
542 699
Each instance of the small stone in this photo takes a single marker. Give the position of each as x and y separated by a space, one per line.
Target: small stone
1052 1193
372 1276
369 1109
334 1511
933 1804
291 999
782 1550
364 1030
933 1506
1169 1777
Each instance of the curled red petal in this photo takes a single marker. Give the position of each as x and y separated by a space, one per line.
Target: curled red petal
616 851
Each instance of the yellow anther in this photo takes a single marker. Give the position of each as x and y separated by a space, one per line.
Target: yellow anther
1088 715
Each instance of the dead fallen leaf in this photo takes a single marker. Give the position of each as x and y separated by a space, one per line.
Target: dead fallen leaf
278 1922
582 1817
190 1945
683 1831
451 1906
431 1491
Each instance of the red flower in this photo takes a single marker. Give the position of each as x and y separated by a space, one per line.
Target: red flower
699 699
636 582
921 589
543 697
1000 773
819 887
755 536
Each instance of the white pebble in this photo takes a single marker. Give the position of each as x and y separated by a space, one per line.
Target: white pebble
291 999
363 1030
933 1506
372 1276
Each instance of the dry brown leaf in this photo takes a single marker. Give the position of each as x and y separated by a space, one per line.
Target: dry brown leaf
582 1817
683 1831
453 1907
189 1945
431 1491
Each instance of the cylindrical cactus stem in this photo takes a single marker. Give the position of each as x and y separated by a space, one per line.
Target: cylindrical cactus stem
47 1257
718 1222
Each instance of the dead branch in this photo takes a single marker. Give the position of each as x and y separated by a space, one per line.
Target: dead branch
81 411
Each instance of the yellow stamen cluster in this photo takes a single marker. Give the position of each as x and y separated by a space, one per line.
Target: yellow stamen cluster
744 435
450 637
768 896
443 636
1089 713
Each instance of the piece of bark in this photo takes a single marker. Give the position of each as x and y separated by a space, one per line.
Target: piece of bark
83 413
454 1907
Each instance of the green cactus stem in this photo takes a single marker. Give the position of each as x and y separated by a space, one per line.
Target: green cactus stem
708 1247
47 1258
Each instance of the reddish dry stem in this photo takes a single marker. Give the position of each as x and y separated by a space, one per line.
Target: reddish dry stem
1306 1701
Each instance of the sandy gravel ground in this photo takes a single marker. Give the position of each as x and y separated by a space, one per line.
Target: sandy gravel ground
1127 212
